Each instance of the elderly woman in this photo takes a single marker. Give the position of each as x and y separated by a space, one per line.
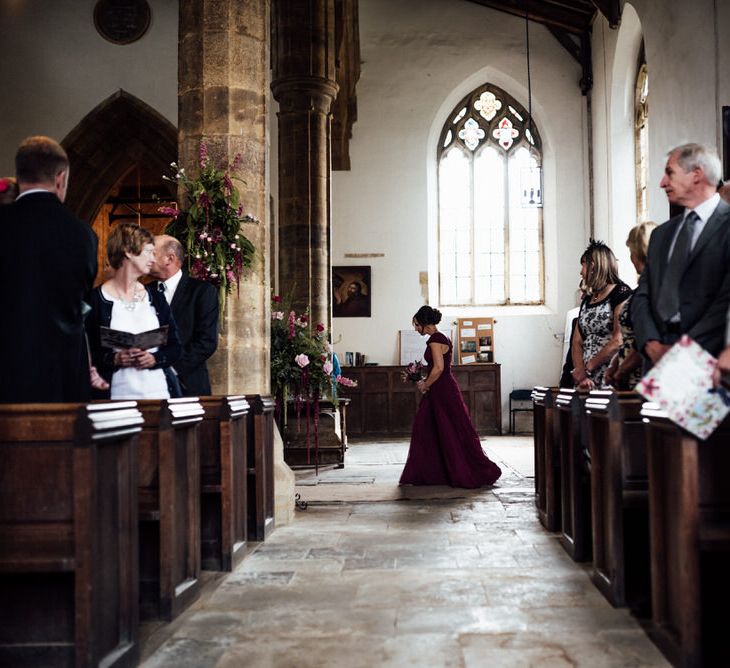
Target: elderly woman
625 369
123 303
596 340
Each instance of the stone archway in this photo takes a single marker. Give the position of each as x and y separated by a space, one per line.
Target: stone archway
121 132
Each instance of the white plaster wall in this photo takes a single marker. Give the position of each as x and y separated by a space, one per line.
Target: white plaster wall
689 81
57 67
419 58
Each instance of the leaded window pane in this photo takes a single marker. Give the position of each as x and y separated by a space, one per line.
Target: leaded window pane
490 199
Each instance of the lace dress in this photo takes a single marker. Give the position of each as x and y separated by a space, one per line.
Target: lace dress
596 327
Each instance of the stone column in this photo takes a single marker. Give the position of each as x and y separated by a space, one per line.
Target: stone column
304 85
223 92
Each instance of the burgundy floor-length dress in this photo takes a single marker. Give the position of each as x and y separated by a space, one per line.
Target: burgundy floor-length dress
445 447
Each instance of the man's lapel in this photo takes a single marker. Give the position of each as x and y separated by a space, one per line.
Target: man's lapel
180 297
671 231
714 224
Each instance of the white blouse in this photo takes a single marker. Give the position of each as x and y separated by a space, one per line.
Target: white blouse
130 382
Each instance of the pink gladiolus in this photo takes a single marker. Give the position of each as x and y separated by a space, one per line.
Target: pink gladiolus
291 324
327 367
302 360
203 153
346 382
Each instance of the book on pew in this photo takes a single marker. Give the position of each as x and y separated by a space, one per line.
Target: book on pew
681 383
115 338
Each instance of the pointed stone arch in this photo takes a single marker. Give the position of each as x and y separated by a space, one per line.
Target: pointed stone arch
119 133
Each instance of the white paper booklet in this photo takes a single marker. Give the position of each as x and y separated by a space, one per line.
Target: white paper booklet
681 384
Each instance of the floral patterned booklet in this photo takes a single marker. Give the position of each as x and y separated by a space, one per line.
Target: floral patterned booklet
681 383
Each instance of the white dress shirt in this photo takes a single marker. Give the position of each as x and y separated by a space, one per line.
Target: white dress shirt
704 212
171 285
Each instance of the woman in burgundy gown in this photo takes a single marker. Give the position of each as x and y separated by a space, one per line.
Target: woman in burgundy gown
445 447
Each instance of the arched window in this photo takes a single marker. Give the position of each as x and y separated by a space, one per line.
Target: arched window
490 203
641 138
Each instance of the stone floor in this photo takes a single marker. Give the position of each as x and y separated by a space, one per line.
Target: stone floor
435 578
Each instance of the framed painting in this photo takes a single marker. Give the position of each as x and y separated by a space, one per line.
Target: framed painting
351 292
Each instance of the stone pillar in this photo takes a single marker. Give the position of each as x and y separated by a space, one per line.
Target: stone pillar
304 85
223 77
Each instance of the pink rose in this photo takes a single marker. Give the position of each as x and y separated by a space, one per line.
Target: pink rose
276 299
277 315
302 360
320 327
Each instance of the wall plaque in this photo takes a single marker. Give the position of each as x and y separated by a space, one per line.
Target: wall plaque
122 21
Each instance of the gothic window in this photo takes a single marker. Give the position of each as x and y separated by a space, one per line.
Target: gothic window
641 139
490 203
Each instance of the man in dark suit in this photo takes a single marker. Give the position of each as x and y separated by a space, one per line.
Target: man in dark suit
685 287
47 268
194 306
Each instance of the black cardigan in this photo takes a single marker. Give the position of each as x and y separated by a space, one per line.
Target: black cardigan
101 316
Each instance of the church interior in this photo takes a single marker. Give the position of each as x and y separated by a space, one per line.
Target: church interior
372 134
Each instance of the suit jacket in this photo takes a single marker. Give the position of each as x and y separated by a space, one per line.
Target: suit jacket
704 291
47 267
195 308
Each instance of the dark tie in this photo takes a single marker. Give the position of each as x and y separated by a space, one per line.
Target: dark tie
668 301
161 286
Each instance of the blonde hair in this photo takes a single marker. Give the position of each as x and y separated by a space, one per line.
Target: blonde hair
638 239
602 267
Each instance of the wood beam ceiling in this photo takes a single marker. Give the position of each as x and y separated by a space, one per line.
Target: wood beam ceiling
569 21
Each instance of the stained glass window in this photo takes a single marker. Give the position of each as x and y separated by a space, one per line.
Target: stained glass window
490 203
641 140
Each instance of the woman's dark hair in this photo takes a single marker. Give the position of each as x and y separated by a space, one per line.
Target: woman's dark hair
427 316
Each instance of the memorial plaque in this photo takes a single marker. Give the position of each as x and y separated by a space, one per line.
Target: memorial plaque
122 21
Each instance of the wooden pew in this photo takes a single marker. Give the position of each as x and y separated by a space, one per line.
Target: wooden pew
223 472
68 534
575 481
169 506
260 458
547 458
689 506
620 498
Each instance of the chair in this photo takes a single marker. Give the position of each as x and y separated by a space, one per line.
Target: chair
518 396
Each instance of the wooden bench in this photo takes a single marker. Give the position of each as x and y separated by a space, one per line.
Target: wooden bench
223 473
260 458
620 498
68 534
689 506
547 458
575 481
169 506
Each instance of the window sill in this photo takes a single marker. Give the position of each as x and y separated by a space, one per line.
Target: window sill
494 311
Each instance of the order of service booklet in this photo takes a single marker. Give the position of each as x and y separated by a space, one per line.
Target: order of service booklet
681 383
115 338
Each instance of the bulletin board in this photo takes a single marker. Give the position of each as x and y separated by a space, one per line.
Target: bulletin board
475 340
413 345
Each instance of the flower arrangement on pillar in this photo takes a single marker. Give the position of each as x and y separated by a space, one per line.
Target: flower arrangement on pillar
209 224
302 369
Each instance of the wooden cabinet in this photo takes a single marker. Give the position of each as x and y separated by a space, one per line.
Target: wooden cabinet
383 405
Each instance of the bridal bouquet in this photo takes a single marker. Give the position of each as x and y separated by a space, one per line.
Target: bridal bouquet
414 372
